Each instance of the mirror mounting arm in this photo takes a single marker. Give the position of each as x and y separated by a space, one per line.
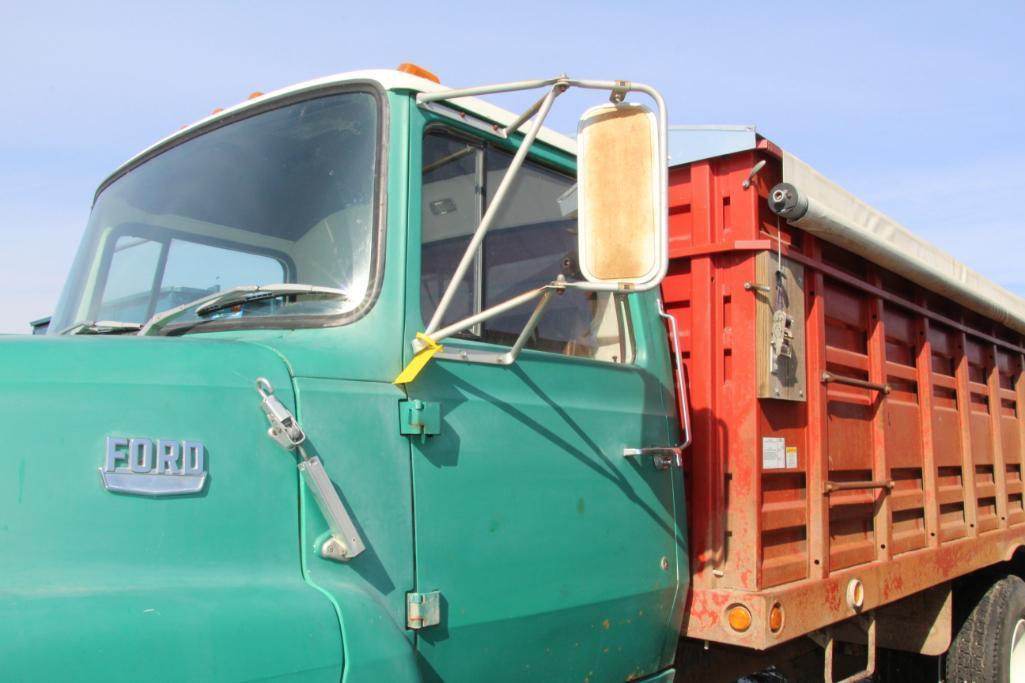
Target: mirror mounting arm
509 357
493 208
539 111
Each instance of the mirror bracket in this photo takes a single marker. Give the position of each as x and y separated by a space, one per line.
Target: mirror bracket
618 93
538 112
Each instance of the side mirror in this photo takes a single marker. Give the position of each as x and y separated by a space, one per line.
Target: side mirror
621 197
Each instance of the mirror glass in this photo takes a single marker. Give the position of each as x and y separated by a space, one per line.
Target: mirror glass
621 197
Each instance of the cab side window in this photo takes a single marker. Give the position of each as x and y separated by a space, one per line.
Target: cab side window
530 243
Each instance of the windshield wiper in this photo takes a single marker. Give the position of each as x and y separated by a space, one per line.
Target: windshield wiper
101 327
236 296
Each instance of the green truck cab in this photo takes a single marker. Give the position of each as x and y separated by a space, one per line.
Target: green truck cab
228 483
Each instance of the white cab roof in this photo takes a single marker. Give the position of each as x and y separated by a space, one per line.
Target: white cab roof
388 79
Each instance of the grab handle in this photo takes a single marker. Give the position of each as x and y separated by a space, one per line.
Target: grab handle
856 485
828 377
681 386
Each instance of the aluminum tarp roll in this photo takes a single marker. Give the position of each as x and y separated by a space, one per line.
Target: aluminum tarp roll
823 208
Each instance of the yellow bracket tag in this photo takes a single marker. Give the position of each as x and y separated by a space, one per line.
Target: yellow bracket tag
418 361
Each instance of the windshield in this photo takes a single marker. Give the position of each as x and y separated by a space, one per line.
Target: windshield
284 196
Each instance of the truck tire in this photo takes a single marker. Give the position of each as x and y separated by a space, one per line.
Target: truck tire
990 647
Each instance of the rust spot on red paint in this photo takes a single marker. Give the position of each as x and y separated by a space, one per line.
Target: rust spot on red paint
742 480
833 596
946 561
705 607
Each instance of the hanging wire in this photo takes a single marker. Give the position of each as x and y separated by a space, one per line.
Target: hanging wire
780 275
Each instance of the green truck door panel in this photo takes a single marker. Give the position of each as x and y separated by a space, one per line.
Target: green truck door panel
107 586
555 555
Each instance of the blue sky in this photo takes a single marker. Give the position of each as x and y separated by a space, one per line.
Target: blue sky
914 106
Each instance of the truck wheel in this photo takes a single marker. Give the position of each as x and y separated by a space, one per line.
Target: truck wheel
990 647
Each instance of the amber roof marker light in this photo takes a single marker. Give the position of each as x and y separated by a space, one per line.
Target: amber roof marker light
416 70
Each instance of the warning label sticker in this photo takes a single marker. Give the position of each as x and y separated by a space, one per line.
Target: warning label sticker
774 453
791 456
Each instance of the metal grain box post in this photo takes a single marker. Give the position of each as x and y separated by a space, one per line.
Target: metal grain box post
856 433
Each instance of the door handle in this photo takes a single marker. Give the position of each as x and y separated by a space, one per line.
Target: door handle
664 457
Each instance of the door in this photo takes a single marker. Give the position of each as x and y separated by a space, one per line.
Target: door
556 556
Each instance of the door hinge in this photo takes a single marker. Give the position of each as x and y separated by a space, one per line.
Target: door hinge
423 609
419 418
